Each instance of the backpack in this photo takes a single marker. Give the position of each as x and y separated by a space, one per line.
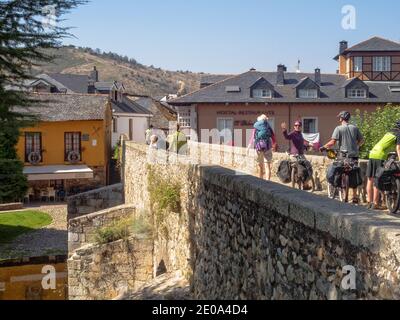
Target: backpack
264 134
263 137
284 171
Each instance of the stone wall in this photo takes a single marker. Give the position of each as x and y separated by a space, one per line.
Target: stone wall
103 272
171 250
81 230
95 200
260 240
238 236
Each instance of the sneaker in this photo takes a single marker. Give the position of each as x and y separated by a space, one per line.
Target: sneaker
356 201
370 205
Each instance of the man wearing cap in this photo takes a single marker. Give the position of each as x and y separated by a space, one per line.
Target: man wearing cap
349 139
298 144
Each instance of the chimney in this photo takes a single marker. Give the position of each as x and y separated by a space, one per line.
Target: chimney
280 78
318 76
91 87
94 75
343 46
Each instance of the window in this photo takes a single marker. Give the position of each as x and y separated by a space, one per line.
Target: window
358 64
114 124
382 64
394 88
232 89
271 122
184 117
33 143
308 93
310 125
72 143
356 93
225 128
262 93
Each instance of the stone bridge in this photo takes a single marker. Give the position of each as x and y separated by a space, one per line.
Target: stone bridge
234 236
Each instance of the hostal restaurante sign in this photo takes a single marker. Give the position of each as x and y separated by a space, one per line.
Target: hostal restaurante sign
245 122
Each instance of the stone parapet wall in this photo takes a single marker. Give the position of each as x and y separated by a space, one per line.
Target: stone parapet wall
95 200
240 237
81 231
260 240
103 272
245 160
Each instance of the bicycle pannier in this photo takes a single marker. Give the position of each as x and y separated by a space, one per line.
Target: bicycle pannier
284 171
333 175
355 178
383 179
306 170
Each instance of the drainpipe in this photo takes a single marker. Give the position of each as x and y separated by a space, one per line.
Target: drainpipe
290 122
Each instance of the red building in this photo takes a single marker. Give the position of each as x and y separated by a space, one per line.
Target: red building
368 77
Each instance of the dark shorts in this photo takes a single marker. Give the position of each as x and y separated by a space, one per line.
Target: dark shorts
373 165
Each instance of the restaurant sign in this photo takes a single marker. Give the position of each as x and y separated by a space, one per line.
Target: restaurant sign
245 123
245 113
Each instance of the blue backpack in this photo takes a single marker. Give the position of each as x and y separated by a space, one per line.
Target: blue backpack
263 131
262 136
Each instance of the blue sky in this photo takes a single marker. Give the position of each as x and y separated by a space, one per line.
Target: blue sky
221 36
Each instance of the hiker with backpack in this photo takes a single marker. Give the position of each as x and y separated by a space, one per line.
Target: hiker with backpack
264 141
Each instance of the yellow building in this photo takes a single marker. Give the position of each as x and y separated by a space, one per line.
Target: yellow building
69 148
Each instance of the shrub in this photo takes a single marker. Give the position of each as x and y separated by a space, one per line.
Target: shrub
165 194
122 229
375 125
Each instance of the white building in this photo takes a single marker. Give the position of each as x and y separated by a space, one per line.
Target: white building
129 119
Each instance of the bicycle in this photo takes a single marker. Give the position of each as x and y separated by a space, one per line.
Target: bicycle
296 179
347 165
392 196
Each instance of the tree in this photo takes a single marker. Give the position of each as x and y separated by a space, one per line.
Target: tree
27 28
375 125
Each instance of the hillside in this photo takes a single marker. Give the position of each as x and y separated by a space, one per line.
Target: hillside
137 78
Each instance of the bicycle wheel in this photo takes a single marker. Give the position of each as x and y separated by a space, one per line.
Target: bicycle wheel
393 198
331 191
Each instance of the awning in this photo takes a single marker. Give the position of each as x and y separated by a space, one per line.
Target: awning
40 173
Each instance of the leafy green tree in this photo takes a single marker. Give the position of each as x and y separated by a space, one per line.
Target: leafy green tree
27 28
374 125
